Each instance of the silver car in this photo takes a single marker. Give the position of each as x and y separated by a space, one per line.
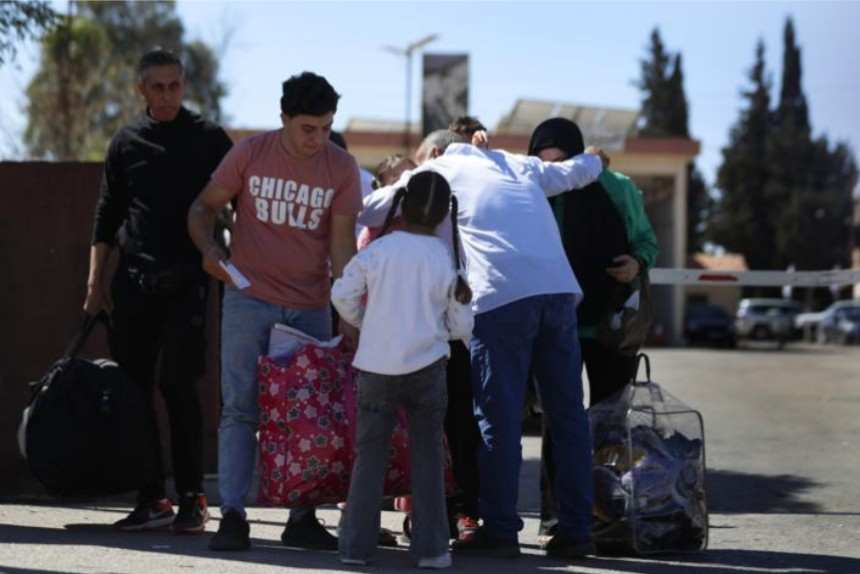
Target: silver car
840 323
766 320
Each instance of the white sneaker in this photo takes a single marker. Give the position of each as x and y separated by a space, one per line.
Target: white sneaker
437 562
353 561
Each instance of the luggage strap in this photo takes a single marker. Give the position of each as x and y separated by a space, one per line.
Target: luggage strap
83 333
639 359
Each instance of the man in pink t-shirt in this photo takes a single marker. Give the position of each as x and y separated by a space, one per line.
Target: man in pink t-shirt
296 196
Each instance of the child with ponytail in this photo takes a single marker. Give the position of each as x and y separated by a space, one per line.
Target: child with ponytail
416 301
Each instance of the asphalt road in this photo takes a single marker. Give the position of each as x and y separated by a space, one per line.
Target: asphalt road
782 429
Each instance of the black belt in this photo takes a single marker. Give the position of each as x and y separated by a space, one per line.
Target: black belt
166 281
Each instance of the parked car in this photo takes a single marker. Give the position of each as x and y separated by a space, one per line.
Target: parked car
840 323
767 320
807 324
709 324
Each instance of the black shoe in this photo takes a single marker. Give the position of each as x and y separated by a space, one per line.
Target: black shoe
193 514
308 533
147 516
562 546
233 533
485 544
387 538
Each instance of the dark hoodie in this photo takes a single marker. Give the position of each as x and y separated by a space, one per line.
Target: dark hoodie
592 230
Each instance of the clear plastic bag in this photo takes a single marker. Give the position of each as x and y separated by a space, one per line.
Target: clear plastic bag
649 472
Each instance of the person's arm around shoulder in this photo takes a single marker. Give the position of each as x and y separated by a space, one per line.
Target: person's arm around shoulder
574 173
348 291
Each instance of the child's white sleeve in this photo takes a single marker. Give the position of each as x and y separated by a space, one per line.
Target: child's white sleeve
458 317
347 293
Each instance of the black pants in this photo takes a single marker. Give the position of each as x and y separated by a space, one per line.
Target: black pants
608 372
157 337
462 431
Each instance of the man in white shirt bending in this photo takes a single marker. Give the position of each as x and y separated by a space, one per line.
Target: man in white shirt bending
525 297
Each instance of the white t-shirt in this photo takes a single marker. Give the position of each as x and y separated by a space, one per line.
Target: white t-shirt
509 236
410 313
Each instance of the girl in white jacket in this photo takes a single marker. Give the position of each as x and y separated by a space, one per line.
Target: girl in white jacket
416 300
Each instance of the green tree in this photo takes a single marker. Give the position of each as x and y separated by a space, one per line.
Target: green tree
818 212
741 221
665 114
812 181
65 90
786 198
677 115
792 107
699 206
655 88
130 29
20 21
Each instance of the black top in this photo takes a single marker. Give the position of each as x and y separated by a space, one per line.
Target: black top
152 174
594 234
592 229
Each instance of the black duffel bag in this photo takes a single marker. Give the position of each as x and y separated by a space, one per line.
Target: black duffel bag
86 431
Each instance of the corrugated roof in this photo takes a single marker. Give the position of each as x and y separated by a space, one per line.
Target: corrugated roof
602 126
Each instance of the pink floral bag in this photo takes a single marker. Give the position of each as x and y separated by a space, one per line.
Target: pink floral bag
307 430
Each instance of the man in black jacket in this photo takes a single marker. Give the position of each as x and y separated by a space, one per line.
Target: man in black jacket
155 167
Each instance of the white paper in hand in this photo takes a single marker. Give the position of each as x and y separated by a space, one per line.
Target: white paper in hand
239 280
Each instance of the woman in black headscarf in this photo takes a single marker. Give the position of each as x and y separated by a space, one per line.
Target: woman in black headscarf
608 241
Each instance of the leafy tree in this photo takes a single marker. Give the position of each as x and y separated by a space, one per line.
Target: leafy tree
66 88
129 29
665 114
792 107
742 220
20 21
699 206
786 198
677 114
656 91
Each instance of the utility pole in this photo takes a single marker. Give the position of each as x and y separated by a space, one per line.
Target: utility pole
407 53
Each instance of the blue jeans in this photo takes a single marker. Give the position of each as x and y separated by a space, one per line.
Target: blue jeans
538 332
245 327
424 396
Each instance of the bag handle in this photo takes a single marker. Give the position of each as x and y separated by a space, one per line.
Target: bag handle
639 358
80 338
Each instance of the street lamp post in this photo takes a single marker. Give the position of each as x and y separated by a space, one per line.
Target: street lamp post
407 53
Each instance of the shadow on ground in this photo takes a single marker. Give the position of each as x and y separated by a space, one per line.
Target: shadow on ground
266 552
738 492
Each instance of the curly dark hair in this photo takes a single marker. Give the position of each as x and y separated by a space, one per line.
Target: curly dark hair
308 94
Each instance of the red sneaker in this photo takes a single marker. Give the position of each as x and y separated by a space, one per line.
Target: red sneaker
403 503
466 527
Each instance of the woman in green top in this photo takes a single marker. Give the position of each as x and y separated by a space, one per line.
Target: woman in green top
609 241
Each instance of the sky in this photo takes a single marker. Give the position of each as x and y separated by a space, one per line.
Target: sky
579 52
